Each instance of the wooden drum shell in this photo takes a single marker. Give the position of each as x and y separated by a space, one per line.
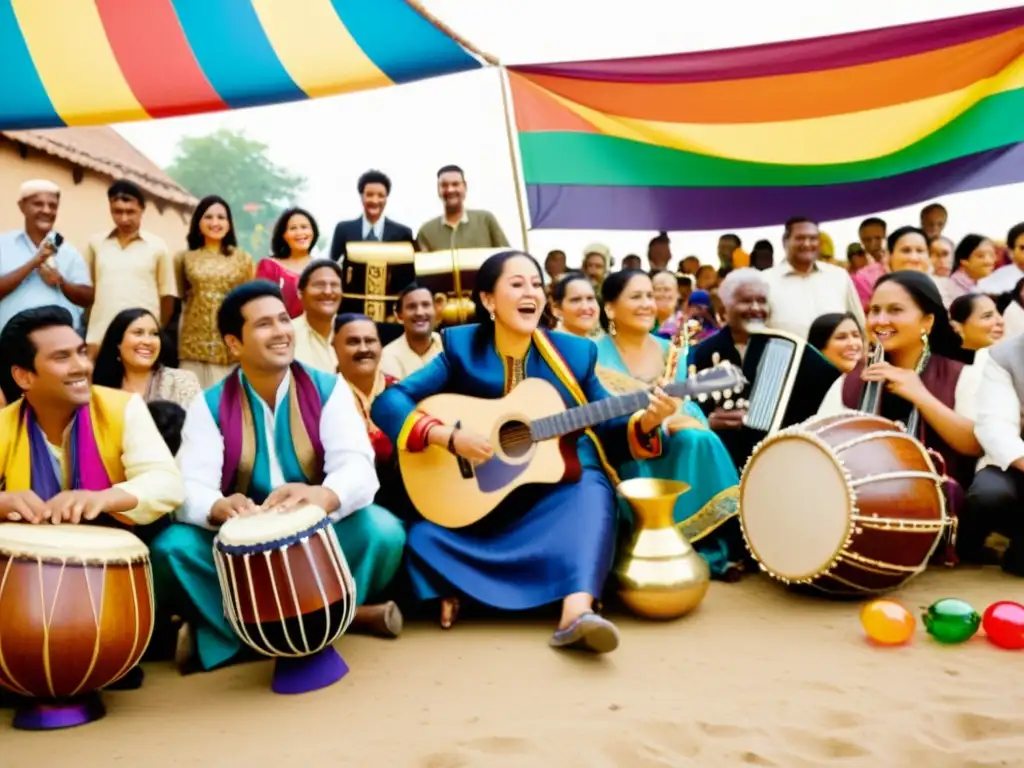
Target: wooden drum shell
896 506
69 628
288 600
262 575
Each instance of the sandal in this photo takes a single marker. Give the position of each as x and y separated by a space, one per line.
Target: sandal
589 632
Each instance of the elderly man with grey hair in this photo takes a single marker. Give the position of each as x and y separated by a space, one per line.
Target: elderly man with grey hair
744 294
37 267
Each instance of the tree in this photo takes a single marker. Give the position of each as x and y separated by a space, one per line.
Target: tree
228 164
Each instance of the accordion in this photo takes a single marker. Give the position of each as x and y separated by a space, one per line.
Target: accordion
789 379
374 274
451 276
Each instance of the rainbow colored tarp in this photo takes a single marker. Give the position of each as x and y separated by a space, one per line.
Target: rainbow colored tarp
80 62
831 128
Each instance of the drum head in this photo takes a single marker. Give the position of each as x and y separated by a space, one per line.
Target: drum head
795 507
265 527
70 542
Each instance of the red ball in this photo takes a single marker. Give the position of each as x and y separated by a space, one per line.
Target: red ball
1003 623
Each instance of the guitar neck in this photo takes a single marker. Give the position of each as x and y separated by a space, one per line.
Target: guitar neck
597 412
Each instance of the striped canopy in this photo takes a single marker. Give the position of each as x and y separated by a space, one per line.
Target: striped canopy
831 128
80 62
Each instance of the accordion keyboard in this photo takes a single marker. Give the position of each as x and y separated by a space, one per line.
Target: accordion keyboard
769 384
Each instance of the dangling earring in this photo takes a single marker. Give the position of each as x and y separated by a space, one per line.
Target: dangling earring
924 339
611 327
492 317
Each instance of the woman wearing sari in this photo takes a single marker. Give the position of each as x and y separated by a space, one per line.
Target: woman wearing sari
629 358
922 373
543 544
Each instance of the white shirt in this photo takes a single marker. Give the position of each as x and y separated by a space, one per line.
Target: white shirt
377 228
998 423
349 468
399 360
1002 280
797 299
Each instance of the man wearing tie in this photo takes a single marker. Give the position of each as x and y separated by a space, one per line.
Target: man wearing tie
372 226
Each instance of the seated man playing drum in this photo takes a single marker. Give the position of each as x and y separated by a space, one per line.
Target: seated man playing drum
71 452
276 435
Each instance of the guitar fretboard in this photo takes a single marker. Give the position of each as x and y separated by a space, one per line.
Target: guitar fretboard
581 417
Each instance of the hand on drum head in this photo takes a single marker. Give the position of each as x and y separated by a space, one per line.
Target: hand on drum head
235 505
75 506
23 507
294 495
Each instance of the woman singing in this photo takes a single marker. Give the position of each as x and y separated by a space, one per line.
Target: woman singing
630 357
543 544
922 371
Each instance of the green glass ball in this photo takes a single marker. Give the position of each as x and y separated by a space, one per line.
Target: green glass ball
951 621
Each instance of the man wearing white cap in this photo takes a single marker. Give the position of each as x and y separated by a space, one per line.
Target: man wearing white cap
34 269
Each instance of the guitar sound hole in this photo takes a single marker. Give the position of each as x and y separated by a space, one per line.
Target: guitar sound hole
515 440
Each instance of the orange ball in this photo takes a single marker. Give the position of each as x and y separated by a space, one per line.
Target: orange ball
887 622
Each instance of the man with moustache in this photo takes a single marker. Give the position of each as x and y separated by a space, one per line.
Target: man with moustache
459 227
419 342
34 270
374 188
802 287
239 457
320 293
744 293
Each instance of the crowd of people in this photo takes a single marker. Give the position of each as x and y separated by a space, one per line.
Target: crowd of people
170 392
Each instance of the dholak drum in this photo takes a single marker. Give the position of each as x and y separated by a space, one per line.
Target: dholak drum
288 593
846 505
76 614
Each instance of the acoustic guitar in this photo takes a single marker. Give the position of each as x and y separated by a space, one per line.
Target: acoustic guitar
534 440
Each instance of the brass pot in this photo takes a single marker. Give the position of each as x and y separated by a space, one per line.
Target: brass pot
660 575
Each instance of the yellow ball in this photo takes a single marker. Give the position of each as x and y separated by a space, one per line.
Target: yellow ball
887 622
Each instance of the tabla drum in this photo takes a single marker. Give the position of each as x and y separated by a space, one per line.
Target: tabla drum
846 505
288 593
76 614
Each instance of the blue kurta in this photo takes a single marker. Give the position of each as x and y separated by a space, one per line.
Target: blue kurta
543 542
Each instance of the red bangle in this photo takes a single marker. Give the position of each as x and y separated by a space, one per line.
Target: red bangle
417 440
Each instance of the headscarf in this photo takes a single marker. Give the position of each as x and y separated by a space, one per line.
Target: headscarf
706 317
942 340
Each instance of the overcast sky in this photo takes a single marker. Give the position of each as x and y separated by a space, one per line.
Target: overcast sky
405 132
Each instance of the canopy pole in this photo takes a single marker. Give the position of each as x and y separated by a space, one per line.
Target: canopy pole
506 103
442 27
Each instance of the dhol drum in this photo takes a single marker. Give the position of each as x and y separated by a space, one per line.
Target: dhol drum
288 593
76 614
848 505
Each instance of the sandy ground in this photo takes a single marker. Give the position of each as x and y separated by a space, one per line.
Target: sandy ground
757 676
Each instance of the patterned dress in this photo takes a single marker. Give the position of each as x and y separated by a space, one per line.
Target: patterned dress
206 277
